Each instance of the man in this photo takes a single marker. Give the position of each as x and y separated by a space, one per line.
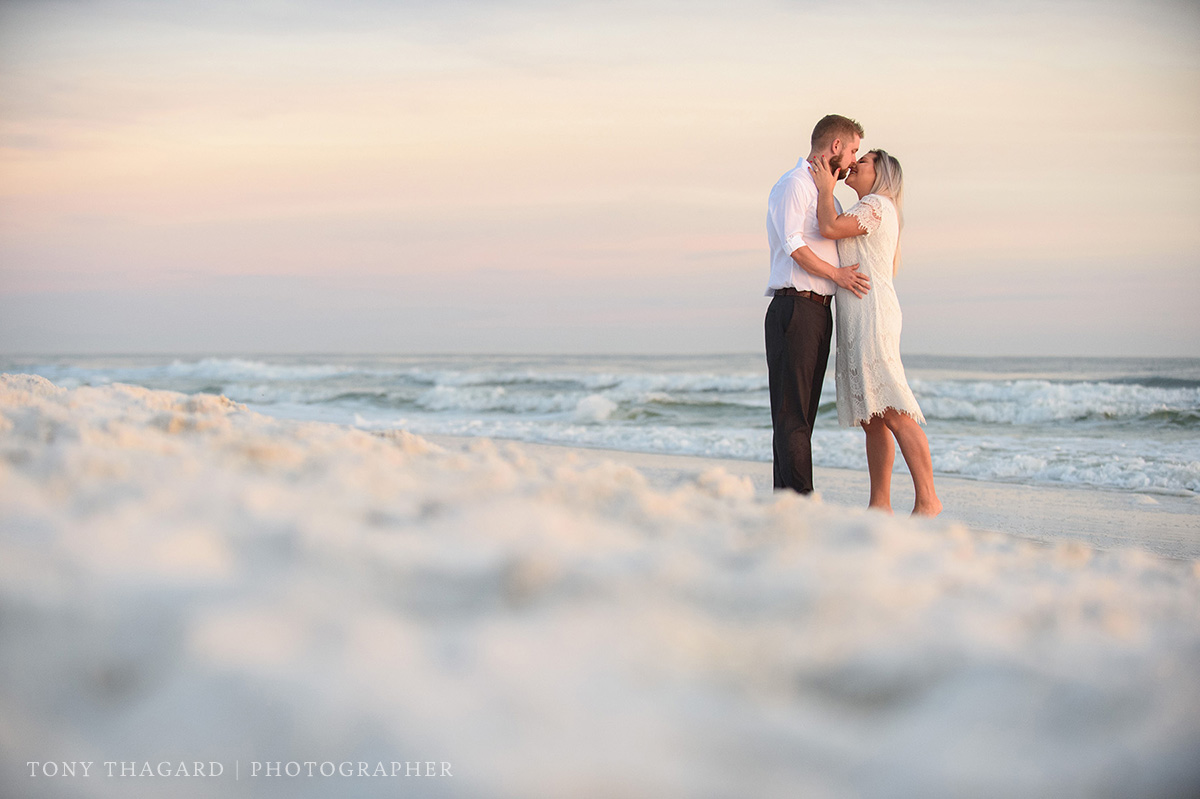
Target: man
805 274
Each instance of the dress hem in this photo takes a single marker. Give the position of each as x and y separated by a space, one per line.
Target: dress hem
916 416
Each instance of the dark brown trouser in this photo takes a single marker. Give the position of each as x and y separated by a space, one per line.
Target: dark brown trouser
798 333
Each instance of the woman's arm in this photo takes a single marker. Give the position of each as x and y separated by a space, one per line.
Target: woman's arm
831 224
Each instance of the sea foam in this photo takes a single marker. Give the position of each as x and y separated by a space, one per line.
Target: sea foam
1107 423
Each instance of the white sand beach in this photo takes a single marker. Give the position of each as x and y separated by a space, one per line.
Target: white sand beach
182 579
1165 524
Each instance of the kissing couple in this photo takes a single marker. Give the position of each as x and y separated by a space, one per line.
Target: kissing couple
810 239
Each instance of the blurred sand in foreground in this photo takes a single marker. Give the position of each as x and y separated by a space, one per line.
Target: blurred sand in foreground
1165 524
184 580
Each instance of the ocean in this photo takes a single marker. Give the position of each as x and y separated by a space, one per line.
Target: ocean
1111 423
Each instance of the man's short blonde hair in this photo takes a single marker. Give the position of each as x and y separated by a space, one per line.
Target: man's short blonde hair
833 127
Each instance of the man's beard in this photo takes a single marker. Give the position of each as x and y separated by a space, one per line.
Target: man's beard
836 163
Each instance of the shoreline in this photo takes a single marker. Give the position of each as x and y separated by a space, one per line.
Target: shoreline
1164 524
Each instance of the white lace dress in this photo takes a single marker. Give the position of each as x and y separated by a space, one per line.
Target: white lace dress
870 377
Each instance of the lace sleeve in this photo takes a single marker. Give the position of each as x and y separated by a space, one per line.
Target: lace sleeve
869 213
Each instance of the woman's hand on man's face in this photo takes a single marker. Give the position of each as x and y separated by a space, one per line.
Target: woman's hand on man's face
823 174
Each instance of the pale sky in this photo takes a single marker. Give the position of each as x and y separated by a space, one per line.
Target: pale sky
242 177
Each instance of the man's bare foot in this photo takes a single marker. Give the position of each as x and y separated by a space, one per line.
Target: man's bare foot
928 508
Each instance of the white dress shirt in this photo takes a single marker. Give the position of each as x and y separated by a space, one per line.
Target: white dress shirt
791 224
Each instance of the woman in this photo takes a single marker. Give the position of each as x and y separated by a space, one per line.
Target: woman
871 388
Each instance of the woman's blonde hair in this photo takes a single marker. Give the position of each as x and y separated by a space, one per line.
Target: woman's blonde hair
889 181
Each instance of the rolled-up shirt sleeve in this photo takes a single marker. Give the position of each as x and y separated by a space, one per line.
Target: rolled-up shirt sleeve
790 213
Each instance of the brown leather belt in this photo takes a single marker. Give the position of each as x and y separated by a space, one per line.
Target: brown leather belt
819 299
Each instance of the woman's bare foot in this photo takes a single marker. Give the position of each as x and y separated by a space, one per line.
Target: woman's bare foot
930 509
881 507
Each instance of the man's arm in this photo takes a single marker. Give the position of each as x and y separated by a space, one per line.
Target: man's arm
848 277
789 216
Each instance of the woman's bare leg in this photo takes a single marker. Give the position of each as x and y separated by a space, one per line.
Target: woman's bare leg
915 448
881 456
